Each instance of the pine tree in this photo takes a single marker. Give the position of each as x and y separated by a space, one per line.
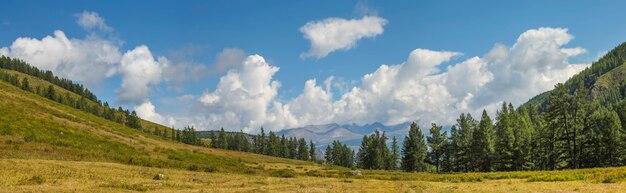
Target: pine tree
25 84
328 158
465 157
560 121
395 154
482 144
504 138
522 146
364 154
312 151
222 140
303 151
51 93
272 145
414 150
284 147
213 138
436 143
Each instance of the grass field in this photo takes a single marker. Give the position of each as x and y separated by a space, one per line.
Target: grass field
49 147
70 176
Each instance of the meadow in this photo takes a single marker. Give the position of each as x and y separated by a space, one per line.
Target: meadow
34 175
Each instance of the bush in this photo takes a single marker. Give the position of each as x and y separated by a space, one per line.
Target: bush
283 173
193 167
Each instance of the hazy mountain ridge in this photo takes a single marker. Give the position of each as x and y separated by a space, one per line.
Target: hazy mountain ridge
351 134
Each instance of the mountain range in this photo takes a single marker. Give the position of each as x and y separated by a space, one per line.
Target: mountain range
350 134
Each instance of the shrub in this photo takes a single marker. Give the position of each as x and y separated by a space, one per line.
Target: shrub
193 167
283 173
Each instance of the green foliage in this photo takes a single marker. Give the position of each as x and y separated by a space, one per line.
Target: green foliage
414 150
374 153
339 154
283 173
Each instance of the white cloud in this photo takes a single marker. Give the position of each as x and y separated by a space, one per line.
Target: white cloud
4 51
242 97
313 106
333 34
534 64
91 20
139 71
147 111
89 60
404 92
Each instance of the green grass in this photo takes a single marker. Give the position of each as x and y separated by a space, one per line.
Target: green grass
34 127
612 78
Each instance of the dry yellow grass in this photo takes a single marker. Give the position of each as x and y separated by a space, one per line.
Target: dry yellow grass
33 175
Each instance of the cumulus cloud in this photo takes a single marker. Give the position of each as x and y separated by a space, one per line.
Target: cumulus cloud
333 34
89 60
139 70
404 92
242 97
147 111
414 90
89 20
535 63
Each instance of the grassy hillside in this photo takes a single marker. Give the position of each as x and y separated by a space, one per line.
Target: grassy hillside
34 127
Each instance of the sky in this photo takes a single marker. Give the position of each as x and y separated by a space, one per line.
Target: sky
242 65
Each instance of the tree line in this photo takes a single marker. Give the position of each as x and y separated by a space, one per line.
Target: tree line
574 132
270 144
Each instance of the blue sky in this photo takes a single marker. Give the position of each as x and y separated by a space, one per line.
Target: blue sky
195 32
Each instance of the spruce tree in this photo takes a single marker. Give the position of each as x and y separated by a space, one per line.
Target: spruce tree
303 151
328 158
436 143
222 140
395 154
312 151
414 150
504 138
482 144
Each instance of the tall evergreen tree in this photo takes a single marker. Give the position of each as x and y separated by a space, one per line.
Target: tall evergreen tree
465 157
414 150
395 154
504 139
303 151
482 144
312 151
436 143
272 145
328 155
222 139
